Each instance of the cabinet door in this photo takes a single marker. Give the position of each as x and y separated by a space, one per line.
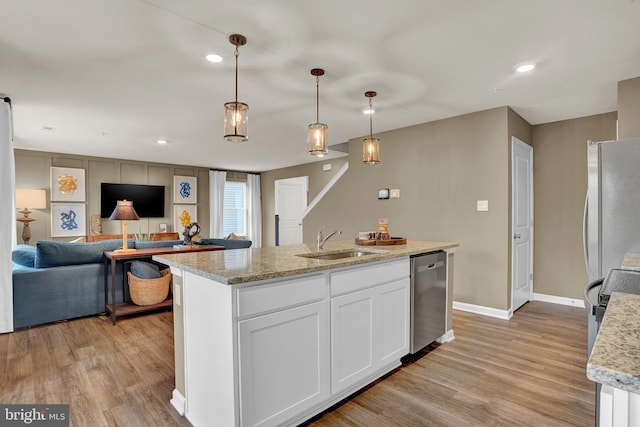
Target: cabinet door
283 363
352 353
393 329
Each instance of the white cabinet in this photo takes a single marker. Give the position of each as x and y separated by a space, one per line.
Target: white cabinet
284 364
277 352
370 326
619 408
352 357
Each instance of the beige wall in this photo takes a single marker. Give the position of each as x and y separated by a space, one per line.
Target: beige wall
441 168
629 108
318 179
33 171
560 186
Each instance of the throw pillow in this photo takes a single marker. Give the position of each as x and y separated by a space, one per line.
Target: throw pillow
145 270
24 255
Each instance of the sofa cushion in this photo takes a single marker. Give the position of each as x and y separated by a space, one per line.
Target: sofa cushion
24 255
145 270
158 244
55 254
227 243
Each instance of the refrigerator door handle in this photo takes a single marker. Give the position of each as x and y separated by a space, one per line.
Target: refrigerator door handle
585 246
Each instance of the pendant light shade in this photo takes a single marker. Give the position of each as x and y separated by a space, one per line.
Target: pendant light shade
371 145
236 113
317 137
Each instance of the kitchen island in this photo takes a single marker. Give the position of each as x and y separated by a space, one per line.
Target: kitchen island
273 336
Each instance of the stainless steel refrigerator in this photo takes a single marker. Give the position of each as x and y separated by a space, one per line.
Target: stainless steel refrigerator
611 218
612 210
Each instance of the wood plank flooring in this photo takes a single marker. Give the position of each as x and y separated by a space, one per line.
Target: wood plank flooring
528 371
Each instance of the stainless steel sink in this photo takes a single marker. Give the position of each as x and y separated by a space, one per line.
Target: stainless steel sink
351 253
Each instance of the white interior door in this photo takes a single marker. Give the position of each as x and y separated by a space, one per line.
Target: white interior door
521 223
291 201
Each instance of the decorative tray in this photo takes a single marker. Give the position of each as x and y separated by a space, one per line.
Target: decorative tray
374 242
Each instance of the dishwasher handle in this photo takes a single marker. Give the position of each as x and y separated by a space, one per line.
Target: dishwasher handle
428 267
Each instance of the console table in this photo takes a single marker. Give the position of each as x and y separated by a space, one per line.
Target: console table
114 310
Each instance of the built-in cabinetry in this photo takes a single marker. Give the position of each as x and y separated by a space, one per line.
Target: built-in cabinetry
277 352
369 321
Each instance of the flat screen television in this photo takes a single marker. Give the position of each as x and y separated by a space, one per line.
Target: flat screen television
148 200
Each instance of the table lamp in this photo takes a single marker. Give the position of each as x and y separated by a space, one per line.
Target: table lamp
29 198
124 211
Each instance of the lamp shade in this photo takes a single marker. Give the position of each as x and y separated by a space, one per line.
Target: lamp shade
124 211
235 121
31 198
371 151
317 139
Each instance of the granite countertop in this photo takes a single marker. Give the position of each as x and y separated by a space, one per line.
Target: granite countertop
615 358
631 261
248 265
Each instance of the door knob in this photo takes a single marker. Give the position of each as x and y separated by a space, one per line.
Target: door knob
516 236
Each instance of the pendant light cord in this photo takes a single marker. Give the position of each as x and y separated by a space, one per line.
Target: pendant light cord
317 99
236 55
370 119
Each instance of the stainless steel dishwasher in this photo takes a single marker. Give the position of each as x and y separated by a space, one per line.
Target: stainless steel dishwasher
428 298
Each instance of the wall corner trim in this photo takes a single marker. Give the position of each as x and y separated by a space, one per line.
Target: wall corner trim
485 311
325 190
573 302
178 402
447 337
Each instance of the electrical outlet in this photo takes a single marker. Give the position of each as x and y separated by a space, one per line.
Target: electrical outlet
482 205
394 193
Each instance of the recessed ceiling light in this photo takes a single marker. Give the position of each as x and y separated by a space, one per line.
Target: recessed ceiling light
525 67
48 129
212 57
162 141
369 111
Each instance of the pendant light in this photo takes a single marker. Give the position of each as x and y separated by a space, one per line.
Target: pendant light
235 113
317 137
371 145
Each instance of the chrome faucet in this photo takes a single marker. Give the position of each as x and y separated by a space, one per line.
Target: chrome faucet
320 241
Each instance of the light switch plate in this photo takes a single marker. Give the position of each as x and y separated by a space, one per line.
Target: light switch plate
482 205
394 193
326 167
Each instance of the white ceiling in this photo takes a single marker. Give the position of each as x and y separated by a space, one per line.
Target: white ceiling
113 76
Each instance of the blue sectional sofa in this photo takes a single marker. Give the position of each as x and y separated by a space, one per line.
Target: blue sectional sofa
55 281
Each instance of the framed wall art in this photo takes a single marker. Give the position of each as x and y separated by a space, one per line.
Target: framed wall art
183 215
68 219
67 185
185 189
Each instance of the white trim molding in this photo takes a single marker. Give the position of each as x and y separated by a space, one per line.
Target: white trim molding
559 300
485 311
178 402
447 337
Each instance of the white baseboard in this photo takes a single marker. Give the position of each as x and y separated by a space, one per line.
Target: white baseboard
177 401
485 311
447 337
558 300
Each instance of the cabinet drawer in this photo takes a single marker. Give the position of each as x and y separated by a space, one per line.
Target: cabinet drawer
368 275
278 295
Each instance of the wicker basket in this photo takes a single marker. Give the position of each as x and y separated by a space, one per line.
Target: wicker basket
149 291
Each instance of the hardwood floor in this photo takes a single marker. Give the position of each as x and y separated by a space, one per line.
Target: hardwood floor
120 375
528 371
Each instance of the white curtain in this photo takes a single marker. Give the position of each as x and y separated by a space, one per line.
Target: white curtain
254 210
7 216
216 202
